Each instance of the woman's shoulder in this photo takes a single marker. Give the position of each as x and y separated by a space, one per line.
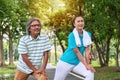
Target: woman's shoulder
89 33
71 35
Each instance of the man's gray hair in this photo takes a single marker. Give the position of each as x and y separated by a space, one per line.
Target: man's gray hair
28 24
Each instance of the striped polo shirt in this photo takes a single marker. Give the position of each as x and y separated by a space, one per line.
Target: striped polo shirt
34 48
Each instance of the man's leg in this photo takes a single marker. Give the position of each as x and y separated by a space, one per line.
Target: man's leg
20 75
40 76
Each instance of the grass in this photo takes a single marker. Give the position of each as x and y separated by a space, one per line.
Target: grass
8 69
107 73
7 72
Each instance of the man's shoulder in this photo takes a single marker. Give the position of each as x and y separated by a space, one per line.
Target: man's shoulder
43 36
24 38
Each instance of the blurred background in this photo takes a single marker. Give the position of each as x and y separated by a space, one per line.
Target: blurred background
102 19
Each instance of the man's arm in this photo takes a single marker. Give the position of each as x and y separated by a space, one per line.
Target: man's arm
27 61
45 59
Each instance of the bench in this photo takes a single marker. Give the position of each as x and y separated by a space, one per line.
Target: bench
77 75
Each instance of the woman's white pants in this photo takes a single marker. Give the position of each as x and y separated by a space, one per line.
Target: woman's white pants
63 68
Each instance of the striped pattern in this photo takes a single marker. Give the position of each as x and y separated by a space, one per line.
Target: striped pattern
34 48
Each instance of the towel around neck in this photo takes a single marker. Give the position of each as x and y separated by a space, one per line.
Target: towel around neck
86 38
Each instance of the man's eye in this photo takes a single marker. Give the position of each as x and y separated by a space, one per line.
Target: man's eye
34 25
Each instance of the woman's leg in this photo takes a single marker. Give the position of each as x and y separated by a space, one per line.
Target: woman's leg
81 69
62 70
20 75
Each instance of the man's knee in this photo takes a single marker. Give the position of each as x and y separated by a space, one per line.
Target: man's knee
20 75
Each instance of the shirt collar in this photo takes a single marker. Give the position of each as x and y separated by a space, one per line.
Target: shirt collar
31 38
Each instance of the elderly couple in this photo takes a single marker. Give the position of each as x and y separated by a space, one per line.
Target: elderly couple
34 49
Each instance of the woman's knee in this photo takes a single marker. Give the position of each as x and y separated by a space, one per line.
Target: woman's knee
89 75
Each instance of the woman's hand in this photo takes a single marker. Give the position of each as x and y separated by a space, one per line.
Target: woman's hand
89 67
92 69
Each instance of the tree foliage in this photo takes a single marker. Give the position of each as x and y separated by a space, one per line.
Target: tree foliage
102 19
10 23
102 22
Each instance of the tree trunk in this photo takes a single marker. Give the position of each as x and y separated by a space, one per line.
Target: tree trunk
108 50
117 54
10 49
2 63
63 49
118 44
0 49
98 50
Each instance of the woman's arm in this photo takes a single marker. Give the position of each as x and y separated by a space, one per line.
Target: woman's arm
88 66
81 58
88 54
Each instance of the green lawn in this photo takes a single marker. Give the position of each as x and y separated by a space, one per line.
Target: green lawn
107 73
7 72
8 69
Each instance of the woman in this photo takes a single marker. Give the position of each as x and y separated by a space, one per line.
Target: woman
76 56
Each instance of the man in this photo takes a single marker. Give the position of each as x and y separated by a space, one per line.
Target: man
33 49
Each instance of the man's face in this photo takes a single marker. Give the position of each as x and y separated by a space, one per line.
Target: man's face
35 28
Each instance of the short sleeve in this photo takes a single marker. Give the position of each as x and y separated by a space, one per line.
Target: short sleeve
90 35
71 41
47 45
22 48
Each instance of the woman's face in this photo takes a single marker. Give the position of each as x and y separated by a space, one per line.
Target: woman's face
79 23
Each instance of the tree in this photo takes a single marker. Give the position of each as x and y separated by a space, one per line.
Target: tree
10 23
102 25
